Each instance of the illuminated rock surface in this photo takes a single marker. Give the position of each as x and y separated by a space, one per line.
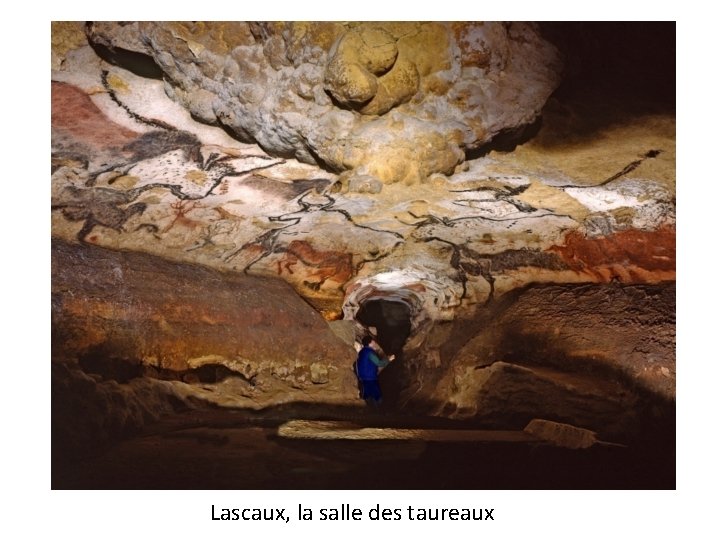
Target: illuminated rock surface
398 101
513 247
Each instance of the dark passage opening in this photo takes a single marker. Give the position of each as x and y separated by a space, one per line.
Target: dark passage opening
392 321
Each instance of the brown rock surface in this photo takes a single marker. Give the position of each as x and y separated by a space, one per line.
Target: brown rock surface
563 435
175 318
510 393
90 412
626 256
600 357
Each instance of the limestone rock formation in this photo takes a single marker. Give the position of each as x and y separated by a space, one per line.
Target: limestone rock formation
563 435
631 328
510 394
600 357
345 160
396 101
91 412
132 168
123 315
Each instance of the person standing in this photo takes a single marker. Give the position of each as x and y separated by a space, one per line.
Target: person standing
367 366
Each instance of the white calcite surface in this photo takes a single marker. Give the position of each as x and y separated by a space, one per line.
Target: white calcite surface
395 101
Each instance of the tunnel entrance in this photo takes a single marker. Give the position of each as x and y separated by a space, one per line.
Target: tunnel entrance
392 321
402 306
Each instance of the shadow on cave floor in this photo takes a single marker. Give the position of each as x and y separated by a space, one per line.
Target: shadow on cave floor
240 449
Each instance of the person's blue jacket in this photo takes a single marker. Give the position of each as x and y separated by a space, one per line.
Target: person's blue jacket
368 363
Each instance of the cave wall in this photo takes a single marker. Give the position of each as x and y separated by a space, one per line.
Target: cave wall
422 163
126 315
599 356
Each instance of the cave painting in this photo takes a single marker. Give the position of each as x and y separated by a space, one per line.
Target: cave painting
630 256
120 173
225 229
324 265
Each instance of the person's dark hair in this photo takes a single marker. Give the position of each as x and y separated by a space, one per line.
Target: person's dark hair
367 340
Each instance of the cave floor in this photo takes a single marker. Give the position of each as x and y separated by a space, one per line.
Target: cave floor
236 449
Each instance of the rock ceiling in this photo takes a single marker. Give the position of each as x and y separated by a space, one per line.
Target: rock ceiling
133 169
424 163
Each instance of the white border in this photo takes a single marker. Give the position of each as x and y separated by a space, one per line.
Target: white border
31 508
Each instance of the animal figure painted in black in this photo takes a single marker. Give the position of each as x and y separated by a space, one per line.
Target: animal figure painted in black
153 144
98 206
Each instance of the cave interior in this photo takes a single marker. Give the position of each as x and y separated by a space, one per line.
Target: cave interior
235 205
